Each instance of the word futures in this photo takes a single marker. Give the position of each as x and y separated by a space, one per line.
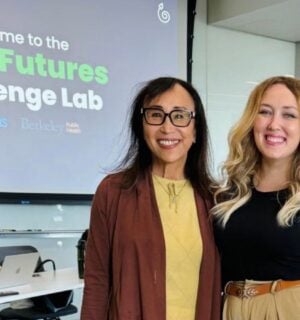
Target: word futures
44 67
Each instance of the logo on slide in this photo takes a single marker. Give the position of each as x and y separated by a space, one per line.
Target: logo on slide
18 270
3 122
73 127
163 15
41 125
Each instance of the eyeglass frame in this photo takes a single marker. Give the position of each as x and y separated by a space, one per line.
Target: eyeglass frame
168 114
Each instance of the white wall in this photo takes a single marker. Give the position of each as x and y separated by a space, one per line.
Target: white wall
230 63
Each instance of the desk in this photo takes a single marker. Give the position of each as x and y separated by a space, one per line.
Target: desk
45 283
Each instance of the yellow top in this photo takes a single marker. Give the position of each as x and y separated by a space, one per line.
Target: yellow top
177 207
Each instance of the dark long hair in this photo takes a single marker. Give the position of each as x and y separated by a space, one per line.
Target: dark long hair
139 157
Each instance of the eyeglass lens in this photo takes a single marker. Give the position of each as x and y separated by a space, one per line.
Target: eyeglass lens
179 118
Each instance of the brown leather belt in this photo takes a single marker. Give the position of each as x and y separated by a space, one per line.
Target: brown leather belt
243 289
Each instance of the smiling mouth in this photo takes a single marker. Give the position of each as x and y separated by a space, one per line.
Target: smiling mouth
273 139
168 142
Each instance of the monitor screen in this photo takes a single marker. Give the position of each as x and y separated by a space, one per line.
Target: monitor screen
68 72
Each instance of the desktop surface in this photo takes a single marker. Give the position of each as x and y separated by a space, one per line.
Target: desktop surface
43 283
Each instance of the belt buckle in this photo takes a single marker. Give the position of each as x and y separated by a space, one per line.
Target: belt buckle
246 292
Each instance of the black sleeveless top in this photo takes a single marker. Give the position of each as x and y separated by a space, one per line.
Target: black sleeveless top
253 246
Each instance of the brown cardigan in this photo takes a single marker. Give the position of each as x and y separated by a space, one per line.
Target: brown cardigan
125 257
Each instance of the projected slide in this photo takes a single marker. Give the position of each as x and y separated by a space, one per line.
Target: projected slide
68 72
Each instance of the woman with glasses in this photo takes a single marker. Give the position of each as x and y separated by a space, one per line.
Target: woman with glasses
257 210
150 251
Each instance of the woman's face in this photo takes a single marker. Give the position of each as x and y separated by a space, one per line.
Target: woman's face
277 124
170 144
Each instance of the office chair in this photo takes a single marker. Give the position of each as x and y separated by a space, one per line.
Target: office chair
38 311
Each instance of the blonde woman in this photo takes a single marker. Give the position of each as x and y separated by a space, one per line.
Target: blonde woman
257 221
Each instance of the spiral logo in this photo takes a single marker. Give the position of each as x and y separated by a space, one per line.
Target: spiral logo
163 15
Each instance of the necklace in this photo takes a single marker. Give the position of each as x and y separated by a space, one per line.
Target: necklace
171 191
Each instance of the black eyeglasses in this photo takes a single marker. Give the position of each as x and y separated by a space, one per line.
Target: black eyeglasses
156 117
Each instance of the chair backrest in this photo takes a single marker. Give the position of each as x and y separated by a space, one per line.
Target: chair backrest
81 246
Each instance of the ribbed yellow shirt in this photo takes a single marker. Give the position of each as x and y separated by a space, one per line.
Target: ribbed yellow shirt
183 246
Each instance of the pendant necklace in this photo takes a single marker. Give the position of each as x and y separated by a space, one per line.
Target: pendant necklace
171 191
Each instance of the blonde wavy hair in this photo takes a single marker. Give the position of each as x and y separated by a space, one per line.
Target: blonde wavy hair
244 160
